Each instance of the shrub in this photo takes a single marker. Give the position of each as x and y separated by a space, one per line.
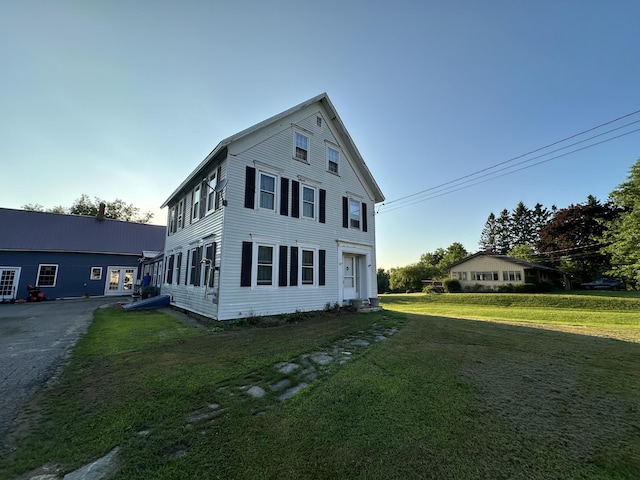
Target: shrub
507 288
546 286
526 288
478 288
452 285
432 289
149 291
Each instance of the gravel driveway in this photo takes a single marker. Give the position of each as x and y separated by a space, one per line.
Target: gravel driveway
34 339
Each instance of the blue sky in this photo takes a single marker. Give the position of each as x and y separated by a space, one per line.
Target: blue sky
122 99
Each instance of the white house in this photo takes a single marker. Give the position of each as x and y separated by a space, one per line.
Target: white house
492 270
277 218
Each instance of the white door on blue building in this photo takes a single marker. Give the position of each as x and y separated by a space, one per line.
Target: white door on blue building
120 280
9 277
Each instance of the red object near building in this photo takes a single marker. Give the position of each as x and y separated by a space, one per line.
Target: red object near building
35 295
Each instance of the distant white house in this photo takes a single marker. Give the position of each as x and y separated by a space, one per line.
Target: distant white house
277 218
491 270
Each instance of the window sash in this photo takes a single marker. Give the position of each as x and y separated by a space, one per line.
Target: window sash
484 276
267 191
333 157
211 194
47 275
264 265
181 214
354 213
195 203
301 147
308 202
512 276
307 266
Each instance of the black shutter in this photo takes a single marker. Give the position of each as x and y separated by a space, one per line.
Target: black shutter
322 257
293 268
245 269
169 279
295 199
218 199
204 194
212 267
282 268
178 266
250 188
323 203
187 271
198 266
284 196
209 254
345 212
364 217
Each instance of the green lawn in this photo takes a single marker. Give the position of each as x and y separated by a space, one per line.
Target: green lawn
443 398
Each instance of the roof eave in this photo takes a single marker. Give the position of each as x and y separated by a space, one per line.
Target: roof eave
218 152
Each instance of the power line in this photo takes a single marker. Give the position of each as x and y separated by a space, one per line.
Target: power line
450 186
462 186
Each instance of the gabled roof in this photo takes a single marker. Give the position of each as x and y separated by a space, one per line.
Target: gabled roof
516 261
323 98
24 230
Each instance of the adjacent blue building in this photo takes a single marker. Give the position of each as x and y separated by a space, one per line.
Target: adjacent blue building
67 256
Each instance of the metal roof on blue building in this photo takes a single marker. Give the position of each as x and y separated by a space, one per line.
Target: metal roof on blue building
22 230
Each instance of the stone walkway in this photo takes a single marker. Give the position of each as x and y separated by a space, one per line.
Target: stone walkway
286 379
292 376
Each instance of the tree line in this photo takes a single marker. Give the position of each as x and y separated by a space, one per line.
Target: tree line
587 240
116 210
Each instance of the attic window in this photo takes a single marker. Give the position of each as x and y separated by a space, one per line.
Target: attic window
301 147
333 160
319 121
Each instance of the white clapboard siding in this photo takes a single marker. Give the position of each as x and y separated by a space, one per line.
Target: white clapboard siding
270 148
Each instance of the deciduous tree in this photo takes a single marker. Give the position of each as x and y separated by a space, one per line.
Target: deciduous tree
117 210
623 233
571 238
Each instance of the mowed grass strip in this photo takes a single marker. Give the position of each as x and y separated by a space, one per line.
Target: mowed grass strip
616 314
443 398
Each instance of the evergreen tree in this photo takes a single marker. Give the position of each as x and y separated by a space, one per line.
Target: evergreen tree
504 236
489 234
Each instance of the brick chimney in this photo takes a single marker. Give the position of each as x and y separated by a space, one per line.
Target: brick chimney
101 208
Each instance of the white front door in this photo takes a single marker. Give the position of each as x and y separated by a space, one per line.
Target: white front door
9 277
350 276
120 280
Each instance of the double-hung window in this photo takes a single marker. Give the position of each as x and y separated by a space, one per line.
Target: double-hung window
211 193
354 213
307 265
47 275
181 214
178 268
308 202
267 191
265 268
301 147
333 160
172 220
195 203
